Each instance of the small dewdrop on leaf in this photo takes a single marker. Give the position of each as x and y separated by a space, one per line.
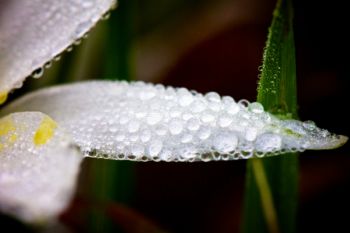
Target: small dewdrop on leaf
141 121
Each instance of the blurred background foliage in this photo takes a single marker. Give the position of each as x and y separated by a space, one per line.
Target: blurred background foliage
209 46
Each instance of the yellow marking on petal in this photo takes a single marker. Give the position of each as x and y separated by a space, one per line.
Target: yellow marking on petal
45 131
3 97
12 138
1 147
6 126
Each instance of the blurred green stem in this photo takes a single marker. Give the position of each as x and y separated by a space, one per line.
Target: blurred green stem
266 196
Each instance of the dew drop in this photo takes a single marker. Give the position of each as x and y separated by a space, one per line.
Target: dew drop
193 124
244 103
232 108
225 121
69 49
256 107
137 150
175 126
198 106
133 126
213 97
106 15
207 117
225 142
87 3
48 65
268 142
38 73
154 118
155 148
186 138
204 133
185 97
145 135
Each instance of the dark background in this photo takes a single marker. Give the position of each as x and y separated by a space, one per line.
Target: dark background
208 197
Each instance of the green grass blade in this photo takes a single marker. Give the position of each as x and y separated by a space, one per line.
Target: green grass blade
277 92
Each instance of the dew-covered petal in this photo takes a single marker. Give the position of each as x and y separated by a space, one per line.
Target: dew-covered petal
38 167
140 121
34 32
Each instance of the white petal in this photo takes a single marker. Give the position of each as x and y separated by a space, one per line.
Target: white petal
38 167
141 121
33 32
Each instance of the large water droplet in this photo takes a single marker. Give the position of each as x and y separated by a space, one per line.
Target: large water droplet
155 148
175 126
213 97
225 142
268 142
256 107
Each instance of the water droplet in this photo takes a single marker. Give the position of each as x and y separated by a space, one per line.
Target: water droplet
155 148
154 118
166 155
147 94
133 126
113 129
244 103
57 58
86 3
69 49
187 152
309 125
198 106
175 126
38 73
185 97
77 42
115 4
256 107
145 135
232 108
225 142
193 124
48 65
106 15
213 97
250 134
137 150
268 142
226 100
207 117
204 133
225 121
186 138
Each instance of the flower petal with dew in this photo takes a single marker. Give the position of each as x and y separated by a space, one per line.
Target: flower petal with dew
140 121
38 167
34 32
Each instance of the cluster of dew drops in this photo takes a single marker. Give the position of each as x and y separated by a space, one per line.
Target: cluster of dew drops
79 35
141 121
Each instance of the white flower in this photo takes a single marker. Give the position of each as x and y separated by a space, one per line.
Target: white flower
45 135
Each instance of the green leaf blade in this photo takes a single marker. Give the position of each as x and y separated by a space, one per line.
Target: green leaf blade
277 92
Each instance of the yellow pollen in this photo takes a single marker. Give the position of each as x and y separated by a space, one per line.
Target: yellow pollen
45 131
3 97
6 126
12 138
